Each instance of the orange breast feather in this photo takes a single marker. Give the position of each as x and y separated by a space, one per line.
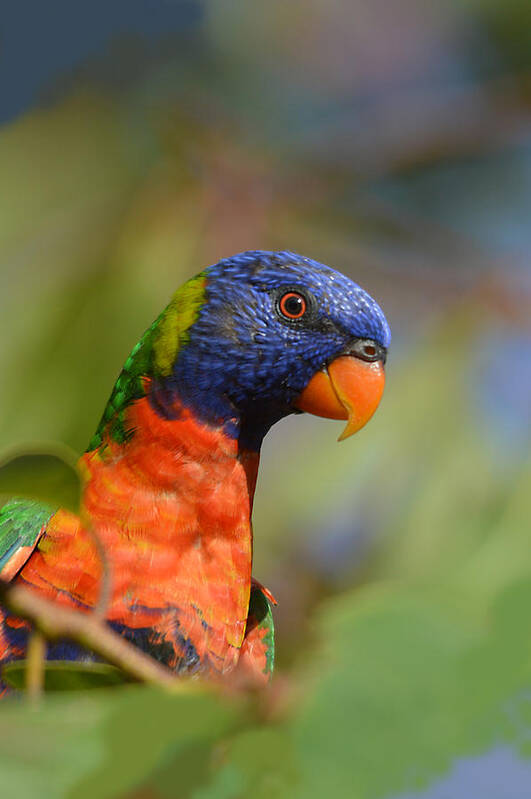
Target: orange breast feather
172 509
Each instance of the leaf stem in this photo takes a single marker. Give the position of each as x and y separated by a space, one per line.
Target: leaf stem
36 654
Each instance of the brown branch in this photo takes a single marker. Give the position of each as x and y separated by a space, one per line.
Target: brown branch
86 629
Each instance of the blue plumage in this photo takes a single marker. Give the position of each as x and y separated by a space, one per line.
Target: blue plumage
238 367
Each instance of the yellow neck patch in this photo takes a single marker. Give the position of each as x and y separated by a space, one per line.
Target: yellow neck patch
172 329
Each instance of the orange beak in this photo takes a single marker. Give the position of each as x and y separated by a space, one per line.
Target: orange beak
348 388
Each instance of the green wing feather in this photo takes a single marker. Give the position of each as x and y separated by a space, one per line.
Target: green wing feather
261 613
22 523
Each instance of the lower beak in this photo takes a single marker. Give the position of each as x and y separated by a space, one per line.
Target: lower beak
348 388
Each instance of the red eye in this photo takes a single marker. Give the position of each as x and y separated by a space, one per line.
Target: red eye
292 305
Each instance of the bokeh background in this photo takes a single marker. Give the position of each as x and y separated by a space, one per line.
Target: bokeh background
141 141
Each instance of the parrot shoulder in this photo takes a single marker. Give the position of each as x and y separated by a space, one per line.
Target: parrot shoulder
22 524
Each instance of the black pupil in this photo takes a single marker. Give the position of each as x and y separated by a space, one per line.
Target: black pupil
370 350
293 305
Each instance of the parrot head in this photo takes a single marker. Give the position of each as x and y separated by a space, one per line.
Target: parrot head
277 333
254 338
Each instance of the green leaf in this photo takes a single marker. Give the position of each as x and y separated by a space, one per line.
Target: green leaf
62 675
259 762
45 751
407 681
105 743
145 728
47 476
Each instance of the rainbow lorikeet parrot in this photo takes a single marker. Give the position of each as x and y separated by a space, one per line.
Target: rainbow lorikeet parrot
169 476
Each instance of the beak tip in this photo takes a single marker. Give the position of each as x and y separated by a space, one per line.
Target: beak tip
350 428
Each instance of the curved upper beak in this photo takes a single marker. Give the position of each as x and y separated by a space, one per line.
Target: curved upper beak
348 388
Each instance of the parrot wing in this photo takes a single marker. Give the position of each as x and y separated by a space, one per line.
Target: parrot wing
257 654
22 524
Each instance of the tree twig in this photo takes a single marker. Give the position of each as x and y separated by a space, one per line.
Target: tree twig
86 629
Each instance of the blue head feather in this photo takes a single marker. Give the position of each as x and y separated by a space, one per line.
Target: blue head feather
244 365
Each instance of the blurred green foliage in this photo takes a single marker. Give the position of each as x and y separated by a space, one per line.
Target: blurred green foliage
400 558
415 677
51 478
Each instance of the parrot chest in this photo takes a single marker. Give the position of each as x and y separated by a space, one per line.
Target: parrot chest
172 510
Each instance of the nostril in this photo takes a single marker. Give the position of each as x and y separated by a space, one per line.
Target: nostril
366 350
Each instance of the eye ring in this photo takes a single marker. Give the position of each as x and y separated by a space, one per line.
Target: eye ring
293 305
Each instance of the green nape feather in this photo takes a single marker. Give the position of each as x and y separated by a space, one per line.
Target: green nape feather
22 522
153 356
